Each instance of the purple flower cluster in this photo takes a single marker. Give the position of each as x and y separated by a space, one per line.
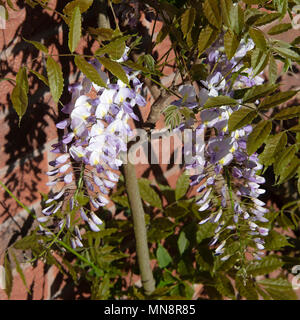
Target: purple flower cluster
95 134
225 156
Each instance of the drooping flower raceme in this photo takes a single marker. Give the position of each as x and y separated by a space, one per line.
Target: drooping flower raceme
228 181
94 135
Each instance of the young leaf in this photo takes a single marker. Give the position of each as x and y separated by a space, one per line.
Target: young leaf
267 18
290 170
262 63
231 44
237 19
19 270
259 134
74 29
163 257
40 76
276 241
283 159
287 53
212 12
295 128
8 275
258 92
148 194
240 118
274 145
272 69
280 28
187 20
224 286
207 36
246 289
288 113
219 101
90 72
258 38
115 48
103 34
55 78
264 266
19 94
182 242
82 4
115 68
182 186
38 45
226 8
276 99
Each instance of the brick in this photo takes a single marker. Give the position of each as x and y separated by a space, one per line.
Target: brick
26 181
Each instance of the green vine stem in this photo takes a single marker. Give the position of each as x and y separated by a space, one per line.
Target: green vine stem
139 226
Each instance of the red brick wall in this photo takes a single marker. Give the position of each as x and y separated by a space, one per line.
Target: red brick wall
25 150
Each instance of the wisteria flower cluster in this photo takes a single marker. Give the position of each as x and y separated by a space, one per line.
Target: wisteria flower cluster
95 133
226 157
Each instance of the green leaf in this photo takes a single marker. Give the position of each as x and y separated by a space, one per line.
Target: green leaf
207 36
40 76
19 270
272 69
258 92
280 28
82 4
267 18
26 242
240 118
246 289
283 159
148 194
279 283
205 231
224 286
226 8
289 170
182 242
261 62
74 29
163 257
103 34
274 145
287 53
122 200
212 12
90 72
8 275
258 38
295 128
276 241
237 19
182 186
115 68
115 48
199 72
219 101
38 45
259 134
55 78
279 289
231 44
264 266
288 113
276 99
19 96
187 20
